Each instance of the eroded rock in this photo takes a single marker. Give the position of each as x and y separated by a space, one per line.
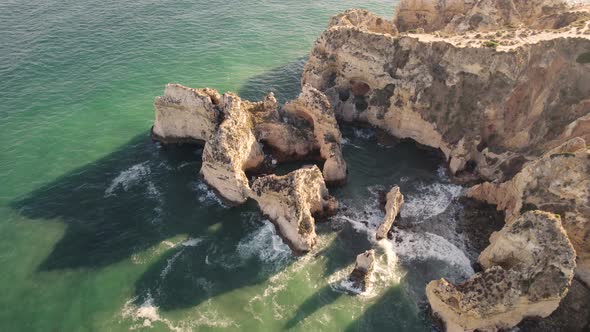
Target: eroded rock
559 182
394 202
360 277
291 201
232 150
313 106
464 15
186 115
529 267
488 110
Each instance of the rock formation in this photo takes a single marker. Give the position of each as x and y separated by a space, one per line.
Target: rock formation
394 202
488 109
231 150
529 267
464 15
186 115
291 201
314 108
559 182
360 277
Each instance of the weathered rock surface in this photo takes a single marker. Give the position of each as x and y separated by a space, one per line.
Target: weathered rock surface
559 182
463 15
529 267
394 202
487 110
291 201
186 115
231 150
360 277
363 19
314 107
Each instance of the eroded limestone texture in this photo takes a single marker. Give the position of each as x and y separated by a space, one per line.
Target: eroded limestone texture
529 267
360 277
489 111
394 202
291 201
559 182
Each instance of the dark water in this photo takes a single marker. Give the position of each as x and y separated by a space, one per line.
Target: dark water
100 229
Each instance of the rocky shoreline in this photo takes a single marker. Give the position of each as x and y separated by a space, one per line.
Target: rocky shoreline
501 88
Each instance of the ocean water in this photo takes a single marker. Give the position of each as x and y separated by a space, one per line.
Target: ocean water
103 230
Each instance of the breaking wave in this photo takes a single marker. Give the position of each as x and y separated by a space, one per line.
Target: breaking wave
266 245
128 178
207 196
430 201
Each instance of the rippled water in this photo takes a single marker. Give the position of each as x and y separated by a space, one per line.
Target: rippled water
100 229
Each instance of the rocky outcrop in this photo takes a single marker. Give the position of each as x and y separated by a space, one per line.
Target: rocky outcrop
394 202
363 19
360 277
529 267
488 109
559 182
291 201
464 15
231 150
186 115
314 108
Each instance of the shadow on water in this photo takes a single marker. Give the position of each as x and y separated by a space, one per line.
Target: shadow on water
283 81
322 298
121 204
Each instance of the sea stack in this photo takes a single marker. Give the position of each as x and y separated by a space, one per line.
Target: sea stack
360 277
395 201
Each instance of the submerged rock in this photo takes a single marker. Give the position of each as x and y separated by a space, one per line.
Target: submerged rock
489 107
186 115
360 277
559 182
291 201
529 267
394 203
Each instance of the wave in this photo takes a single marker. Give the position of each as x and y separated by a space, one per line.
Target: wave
128 178
430 201
207 196
265 244
411 246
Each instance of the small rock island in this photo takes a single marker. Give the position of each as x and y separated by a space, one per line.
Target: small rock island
501 88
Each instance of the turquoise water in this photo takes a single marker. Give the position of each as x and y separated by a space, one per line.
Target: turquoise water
102 230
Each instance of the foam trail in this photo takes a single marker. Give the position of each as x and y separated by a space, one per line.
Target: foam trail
265 244
421 246
128 178
431 201
206 195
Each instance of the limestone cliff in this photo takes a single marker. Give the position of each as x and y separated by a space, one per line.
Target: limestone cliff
529 267
231 150
186 115
291 201
314 107
559 182
394 202
488 109
463 15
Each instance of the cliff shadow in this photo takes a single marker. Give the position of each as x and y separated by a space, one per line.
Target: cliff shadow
123 203
284 81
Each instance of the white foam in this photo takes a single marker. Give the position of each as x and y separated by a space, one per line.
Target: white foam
169 263
145 314
421 246
128 178
192 242
431 201
265 244
206 195
365 133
